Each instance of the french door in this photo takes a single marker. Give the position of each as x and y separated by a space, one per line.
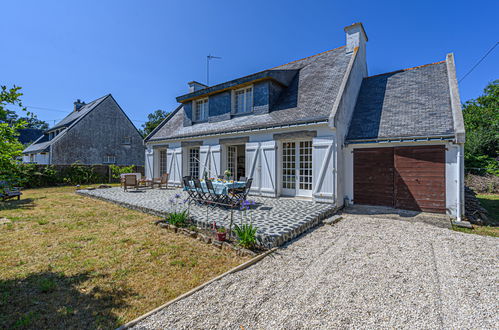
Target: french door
297 168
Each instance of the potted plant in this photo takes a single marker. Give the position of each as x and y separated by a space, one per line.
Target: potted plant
227 174
221 234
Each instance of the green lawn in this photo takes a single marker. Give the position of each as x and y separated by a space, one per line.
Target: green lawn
69 261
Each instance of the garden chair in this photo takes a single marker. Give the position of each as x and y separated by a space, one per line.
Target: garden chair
7 191
201 195
130 181
243 178
242 194
191 191
163 180
214 198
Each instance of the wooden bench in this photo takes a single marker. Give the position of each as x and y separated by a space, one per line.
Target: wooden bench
8 192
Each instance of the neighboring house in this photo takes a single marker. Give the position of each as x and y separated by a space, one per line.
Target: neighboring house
29 135
321 128
95 133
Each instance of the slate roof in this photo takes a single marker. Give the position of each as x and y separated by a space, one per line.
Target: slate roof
69 119
407 103
42 144
308 98
27 135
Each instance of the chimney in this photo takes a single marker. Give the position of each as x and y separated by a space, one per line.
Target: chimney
194 86
356 37
78 104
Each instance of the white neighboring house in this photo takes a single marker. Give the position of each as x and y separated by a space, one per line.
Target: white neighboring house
321 128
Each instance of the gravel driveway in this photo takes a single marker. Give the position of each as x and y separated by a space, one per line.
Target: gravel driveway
363 272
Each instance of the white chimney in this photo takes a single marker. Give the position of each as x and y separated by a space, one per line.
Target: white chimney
194 86
356 37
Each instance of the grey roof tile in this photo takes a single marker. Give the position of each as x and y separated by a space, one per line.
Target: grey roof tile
406 103
316 85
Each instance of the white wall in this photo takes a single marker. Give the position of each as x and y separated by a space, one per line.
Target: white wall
40 158
451 170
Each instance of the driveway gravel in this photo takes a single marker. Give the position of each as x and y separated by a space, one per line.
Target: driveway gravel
367 271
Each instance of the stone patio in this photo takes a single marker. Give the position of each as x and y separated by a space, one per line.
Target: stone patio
278 219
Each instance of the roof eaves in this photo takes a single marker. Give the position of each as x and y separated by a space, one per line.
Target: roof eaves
457 113
344 82
170 115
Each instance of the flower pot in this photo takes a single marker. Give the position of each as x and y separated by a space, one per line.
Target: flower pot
221 236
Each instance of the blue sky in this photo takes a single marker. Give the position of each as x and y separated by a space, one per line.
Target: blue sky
145 52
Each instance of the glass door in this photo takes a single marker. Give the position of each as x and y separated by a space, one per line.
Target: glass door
297 168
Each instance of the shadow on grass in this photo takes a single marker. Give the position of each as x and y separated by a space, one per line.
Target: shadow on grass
49 300
27 203
491 204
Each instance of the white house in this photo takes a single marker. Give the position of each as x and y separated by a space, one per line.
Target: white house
321 128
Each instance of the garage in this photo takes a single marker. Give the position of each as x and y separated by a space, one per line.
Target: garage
411 178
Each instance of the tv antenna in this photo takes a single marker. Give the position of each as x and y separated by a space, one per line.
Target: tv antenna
208 58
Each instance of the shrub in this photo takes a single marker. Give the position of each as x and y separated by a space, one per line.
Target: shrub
246 234
117 170
178 219
81 174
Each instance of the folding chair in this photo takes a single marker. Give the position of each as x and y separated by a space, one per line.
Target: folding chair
214 197
201 195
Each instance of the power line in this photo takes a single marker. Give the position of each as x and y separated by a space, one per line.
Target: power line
480 61
67 112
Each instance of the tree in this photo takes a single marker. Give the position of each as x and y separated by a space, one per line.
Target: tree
154 119
34 122
10 147
481 121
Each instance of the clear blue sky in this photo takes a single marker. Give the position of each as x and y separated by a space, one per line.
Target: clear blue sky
145 52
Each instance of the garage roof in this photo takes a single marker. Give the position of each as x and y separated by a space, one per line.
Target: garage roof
413 102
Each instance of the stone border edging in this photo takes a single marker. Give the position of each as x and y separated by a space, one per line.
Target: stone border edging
191 292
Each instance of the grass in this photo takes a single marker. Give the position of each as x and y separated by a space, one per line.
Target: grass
69 261
491 203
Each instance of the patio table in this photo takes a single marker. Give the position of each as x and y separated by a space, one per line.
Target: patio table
221 187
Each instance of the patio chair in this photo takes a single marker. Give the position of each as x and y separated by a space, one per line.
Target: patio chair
242 194
7 191
200 194
214 198
163 180
130 181
191 191
243 178
221 177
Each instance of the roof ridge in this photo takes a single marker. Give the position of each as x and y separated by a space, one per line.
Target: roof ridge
306 58
407 69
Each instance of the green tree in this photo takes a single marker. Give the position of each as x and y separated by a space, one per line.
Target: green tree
34 122
10 147
153 120
481 121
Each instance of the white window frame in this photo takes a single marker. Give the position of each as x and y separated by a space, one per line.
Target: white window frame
246 100
195 115
194 165
109 159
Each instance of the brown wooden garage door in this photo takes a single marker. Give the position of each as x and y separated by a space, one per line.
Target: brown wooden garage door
410 178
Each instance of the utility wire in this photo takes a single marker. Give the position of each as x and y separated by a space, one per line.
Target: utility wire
57 110
480 61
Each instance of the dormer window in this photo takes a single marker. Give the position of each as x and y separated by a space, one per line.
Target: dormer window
201 110
243 100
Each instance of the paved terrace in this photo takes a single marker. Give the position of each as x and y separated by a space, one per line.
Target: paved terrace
278 219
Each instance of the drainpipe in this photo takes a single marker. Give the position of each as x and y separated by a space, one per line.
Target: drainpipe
459 183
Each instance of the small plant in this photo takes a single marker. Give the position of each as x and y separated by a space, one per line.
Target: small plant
246 234
221 230
178 219
193 228
227 174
